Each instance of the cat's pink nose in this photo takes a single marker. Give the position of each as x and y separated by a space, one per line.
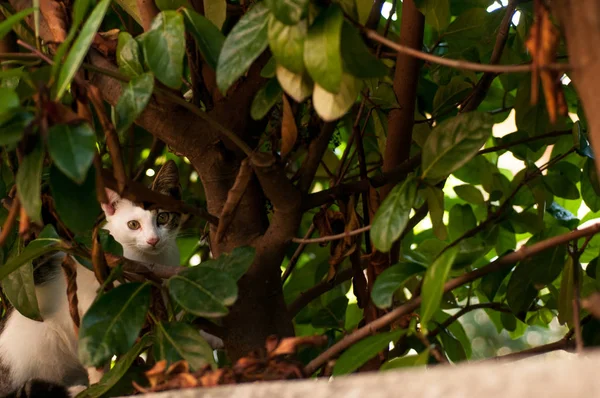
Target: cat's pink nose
153 241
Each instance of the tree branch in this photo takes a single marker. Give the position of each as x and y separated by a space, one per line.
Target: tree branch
330 238
413 304
482 87
494 306
459 64
316 150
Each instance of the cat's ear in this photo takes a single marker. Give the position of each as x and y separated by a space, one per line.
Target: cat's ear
113 198
167 180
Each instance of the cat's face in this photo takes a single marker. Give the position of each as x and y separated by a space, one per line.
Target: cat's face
150 231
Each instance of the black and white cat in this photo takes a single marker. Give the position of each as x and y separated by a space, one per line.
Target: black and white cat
47 351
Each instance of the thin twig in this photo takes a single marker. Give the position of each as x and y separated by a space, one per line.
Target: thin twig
524 141
294 260
329 238
493 306
459 64
577 303
413 304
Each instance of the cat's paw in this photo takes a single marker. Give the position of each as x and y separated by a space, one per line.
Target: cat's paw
75 390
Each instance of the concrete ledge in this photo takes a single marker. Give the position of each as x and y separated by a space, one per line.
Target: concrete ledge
564 376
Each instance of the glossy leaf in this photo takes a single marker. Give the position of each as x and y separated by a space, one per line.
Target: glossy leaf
180 341
11 130
435 202
407 361
246 41
235 263
392 216
209 38
322 49
72 148
203 291
437 13
110 379
289 12
7 24
265 99
129 55
453 143
164 47
433 284
133 101
33 250
358 60
80 47
9 100
216 12
469 193
105 331
297 86
565 301
76 204
590 187
331 106
19 289
359 353
287 44
390 280
29 184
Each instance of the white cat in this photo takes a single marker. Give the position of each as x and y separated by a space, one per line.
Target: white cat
48 350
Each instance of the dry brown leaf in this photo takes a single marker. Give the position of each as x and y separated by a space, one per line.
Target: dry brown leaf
157 374
290 345
289 130
542 43
55 14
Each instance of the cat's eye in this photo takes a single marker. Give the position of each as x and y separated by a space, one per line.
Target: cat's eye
162 218
133 225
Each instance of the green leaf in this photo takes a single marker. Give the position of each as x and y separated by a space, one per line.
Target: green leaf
437 13
203 291
29 183
113 322
565 300
268 71
80 48
129 55
216 12
358 60
454 142
590 187
110 379
9 100
11 130
461 220
433 284
287 44
435 202
331 106
180 341
246 41
407 361
133 101
450 95
452 346
76 204
359 353
289 12
35 249
534 272
297 86
72 148
265 99
322 55
390 280
491 282
470 194
7 25
561 186
19 289
209 38
392 216
164 48
235 264
165 5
